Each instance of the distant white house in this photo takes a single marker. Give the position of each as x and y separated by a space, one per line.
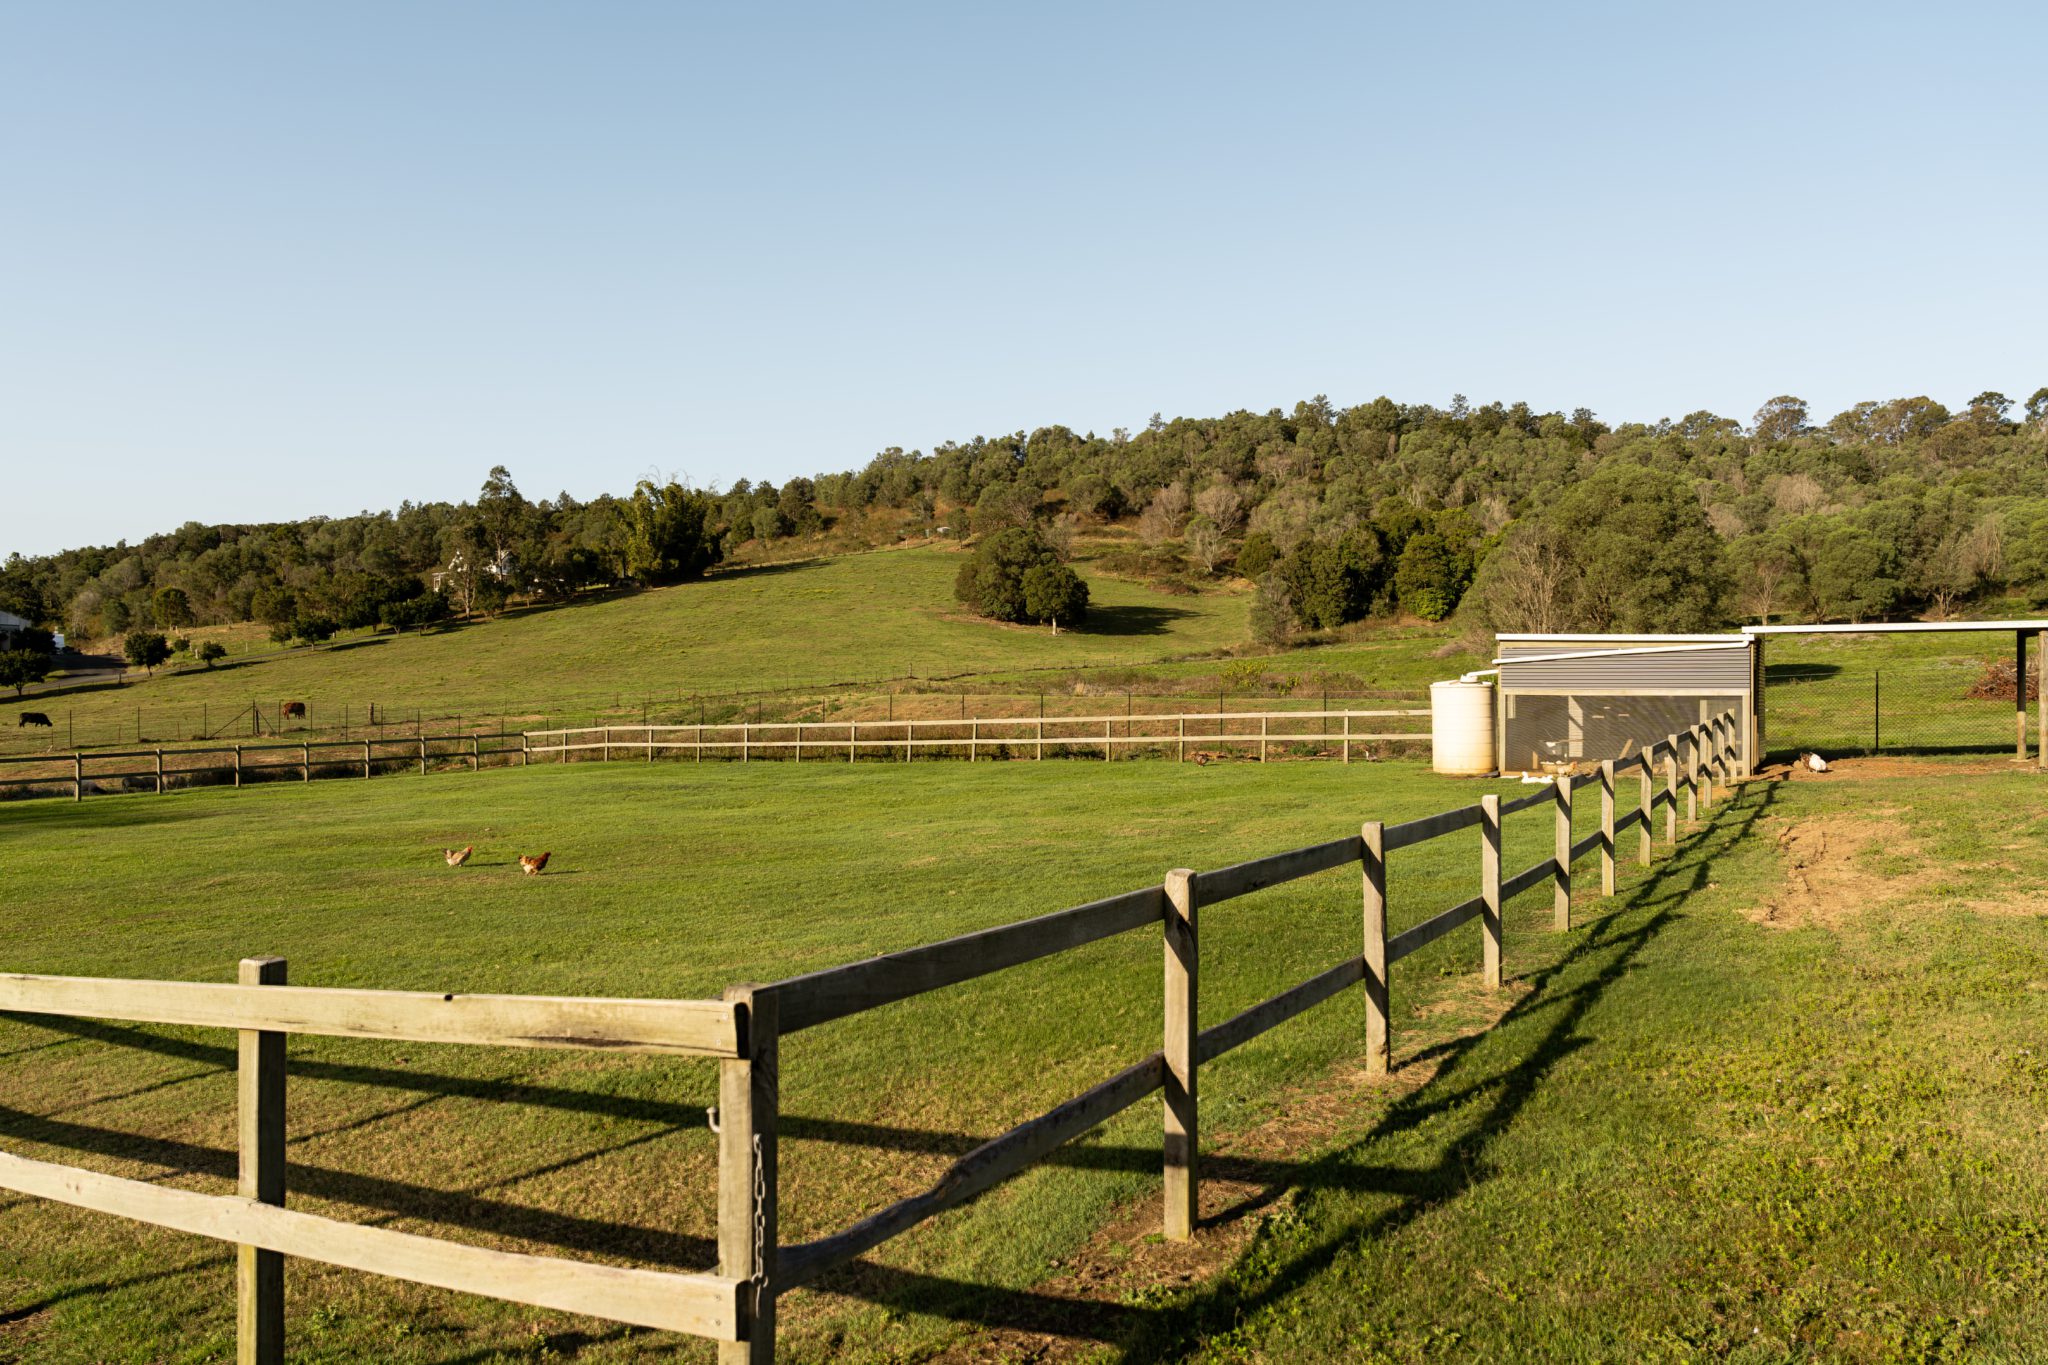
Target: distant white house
499 567
11 627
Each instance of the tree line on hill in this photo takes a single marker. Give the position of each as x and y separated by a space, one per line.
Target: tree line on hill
1511 518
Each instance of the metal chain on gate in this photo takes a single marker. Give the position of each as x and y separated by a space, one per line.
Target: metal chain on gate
760 1225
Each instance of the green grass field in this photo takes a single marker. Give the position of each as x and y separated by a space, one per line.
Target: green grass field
827 621
665 881
1691 1134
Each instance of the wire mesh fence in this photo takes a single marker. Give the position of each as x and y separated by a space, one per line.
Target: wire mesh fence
1957 704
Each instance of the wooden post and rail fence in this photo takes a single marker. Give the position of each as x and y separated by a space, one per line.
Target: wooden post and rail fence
974 738
735 1304
159 770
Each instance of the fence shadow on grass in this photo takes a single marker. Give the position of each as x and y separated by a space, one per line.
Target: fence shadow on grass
1560 997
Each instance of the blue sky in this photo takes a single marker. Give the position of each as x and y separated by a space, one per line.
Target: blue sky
262 261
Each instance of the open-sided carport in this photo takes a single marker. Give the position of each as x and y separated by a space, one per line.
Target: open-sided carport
2021 631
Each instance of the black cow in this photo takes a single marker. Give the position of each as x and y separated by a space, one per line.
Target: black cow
34 718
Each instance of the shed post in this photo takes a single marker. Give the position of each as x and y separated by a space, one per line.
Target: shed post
2019 694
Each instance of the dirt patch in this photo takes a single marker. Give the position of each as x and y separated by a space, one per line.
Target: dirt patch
1882 766
1827 875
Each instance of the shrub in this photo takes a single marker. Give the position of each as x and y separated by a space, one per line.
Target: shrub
1272 614
1256 556
211 652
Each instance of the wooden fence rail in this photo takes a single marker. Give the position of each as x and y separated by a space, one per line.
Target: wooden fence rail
974 738
172 769
736 1305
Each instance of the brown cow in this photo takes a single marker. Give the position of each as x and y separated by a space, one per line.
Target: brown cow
34 718
295 710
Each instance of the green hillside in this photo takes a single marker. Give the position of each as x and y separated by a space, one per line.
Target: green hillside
811 624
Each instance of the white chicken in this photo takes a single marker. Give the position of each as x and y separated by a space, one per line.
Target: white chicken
1815 763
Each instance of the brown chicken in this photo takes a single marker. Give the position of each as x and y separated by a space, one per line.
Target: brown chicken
457 856
531 866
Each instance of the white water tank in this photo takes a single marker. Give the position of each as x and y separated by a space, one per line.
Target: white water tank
1461 728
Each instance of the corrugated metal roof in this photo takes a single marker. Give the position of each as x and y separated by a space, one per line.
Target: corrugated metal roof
1893 628
1648 639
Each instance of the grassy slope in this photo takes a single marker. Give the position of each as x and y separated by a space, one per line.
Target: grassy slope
826 621
666 881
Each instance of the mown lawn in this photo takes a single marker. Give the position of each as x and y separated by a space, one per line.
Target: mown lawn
1781 1099
666 880
1701 1137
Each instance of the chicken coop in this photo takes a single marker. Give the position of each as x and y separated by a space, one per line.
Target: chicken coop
1568 699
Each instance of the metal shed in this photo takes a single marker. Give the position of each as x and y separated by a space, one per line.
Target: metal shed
1584 698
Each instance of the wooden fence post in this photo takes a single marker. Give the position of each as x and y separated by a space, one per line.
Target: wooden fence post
77 777
1347 736
1561 879
746 741
1038 738
1703 764
1182 962
2019 694
799 741
366 759
305 762
1606 826
476 754
1649 809
1378 1045
1180 748
1671 789
973 739
423 755
749 1089
1262 737
607 743
259 1087
1692 776
852 738
238 765
159 772
1489 888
